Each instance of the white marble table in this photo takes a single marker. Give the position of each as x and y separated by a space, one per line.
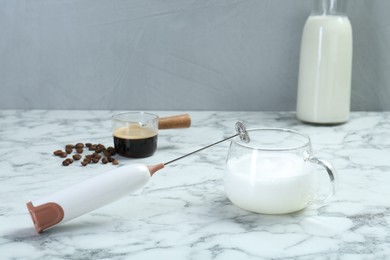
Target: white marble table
183 213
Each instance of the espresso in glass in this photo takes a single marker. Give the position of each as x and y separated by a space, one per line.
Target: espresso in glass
135 134
135 141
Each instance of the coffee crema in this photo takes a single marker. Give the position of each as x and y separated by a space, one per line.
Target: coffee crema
135 141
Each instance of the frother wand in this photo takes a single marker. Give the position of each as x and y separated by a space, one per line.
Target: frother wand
96 192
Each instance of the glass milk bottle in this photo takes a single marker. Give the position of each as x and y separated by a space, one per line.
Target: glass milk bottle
324 84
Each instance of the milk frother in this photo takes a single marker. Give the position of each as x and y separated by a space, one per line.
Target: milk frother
96 192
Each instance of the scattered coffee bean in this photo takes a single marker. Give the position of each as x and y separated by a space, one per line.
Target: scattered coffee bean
111 150
115 162
79 145
100 148
100 152
70 160
87 159
76 157
95 160
65 163
57 152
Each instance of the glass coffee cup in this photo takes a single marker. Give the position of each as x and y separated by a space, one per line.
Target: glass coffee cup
135 134
274 172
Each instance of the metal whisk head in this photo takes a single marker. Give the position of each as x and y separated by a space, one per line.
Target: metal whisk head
242 132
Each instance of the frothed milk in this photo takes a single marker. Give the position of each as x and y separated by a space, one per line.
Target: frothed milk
270 184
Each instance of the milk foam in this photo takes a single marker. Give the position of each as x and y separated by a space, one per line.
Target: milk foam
272 184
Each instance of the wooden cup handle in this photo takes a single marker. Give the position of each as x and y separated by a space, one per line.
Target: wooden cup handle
170 122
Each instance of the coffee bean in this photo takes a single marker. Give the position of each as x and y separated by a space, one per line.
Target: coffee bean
79 145
110 159
115 162
63 155
76 157
89 156
111 150
87 159
65 163
83 163
70 160
88 144
92 147
58 152
69 146
104 160
79 150
106 153
99 148
68 150
95 160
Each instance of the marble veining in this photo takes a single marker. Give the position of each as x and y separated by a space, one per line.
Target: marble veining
183 213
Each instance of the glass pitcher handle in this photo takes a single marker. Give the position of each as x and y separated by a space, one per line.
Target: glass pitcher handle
332 176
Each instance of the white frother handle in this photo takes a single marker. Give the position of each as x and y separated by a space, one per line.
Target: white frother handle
88 195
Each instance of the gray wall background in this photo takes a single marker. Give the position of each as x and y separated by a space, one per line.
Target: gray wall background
175 54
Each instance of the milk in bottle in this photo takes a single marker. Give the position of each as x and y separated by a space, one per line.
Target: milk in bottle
324 84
